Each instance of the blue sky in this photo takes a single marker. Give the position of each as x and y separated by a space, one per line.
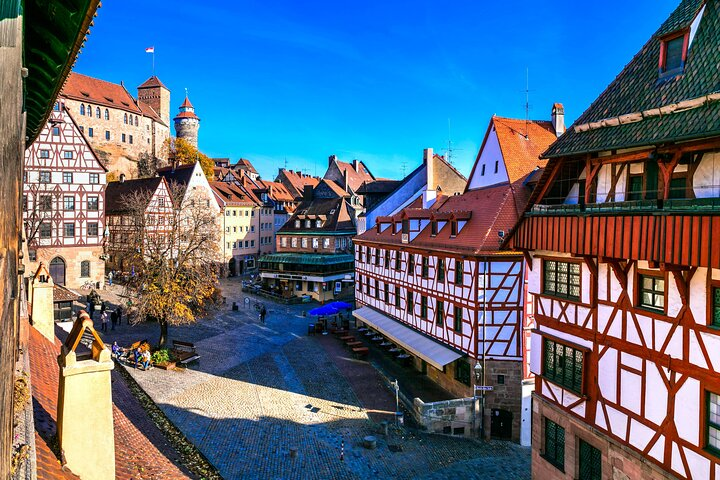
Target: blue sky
379 81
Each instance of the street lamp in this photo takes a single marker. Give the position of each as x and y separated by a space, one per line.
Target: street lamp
479 381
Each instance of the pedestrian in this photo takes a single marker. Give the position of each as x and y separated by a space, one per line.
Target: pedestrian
110 277
263 312
102 307
104 320
119 314
113 318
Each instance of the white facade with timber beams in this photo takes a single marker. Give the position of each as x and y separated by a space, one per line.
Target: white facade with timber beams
625 277
435 267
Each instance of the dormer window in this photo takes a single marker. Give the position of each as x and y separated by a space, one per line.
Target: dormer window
453 228
673 51
297 223
433 228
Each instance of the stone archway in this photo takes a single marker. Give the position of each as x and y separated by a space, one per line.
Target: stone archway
232 267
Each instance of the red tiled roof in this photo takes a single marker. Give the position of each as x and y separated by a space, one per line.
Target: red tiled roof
187 115
232 194
152 82
186 103
245 164
137 439
355 178
521 153
335 187
487 211
93 90
298 180
62 294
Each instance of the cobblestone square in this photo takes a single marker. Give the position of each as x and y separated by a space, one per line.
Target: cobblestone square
259 390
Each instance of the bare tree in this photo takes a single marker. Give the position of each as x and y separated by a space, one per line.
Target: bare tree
37 208
174 250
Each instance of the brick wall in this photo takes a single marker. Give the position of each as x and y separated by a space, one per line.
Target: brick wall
618 461
73 256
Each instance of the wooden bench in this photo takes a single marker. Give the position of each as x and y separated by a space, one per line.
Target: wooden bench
185 352
360 351
354 344
341 332
347 338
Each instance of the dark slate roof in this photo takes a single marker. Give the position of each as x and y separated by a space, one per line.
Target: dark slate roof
182 174
117 192
637 89
336 212
378 186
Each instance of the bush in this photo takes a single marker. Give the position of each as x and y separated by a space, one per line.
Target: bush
161 356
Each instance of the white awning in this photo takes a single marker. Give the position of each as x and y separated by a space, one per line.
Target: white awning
432 351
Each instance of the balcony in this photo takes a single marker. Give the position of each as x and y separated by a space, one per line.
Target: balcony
632 207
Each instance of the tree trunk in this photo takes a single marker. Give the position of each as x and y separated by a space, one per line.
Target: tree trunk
163 333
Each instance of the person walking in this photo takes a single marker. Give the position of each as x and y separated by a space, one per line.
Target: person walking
103 307
104 320
113 318
119 314
263 312
110 277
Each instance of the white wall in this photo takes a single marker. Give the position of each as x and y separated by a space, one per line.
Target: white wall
490 154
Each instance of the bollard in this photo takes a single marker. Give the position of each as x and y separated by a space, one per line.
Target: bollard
384 424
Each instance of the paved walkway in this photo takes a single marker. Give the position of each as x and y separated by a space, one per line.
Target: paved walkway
259 390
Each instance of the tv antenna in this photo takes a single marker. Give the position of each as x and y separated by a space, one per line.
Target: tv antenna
527 102
450 150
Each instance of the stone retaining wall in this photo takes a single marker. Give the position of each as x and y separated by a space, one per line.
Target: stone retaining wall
449 417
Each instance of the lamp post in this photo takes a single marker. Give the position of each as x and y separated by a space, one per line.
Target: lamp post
479 374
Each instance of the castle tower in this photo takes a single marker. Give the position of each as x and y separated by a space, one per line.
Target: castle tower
157 95
187 123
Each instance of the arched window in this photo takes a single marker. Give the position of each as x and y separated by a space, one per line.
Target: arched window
136 121
85 268
97 112
82 109
107 114
57 270
89 110
125 119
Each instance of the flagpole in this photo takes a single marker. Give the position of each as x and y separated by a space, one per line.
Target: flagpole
153 61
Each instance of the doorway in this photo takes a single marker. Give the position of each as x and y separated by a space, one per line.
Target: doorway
501 424
231 267
57 270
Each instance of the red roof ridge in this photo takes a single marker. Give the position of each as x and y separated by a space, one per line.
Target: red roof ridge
153 81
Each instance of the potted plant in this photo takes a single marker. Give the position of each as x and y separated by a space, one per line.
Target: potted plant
163 358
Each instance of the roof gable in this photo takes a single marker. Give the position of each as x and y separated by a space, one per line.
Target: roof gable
100 92
637 108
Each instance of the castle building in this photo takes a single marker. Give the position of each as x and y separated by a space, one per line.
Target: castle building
624 270
187 123
431 278
64 203
118 126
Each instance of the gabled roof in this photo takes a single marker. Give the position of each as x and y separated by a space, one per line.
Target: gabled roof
99 92
336 213
626 114
152 82
180 174
116 193
297 181
487 212
334 187
355 176
383 186
232 194
245 164
276 191
150 112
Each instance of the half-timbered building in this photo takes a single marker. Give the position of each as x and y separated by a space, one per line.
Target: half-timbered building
625 274
145 204
64 203
433 280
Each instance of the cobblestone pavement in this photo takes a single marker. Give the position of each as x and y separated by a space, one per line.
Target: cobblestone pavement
259 390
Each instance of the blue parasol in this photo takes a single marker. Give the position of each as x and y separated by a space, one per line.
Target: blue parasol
324 310
340 305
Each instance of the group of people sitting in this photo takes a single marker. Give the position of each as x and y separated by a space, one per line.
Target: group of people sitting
139 355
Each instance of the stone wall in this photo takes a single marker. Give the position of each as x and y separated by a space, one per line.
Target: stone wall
618 461
72 256
449 417
148 137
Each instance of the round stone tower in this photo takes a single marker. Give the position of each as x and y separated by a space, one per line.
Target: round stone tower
187 123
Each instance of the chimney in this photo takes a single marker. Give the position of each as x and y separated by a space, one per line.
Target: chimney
307 193
41 302
122 177
331 159
356 164
345 179
558 118
430 193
